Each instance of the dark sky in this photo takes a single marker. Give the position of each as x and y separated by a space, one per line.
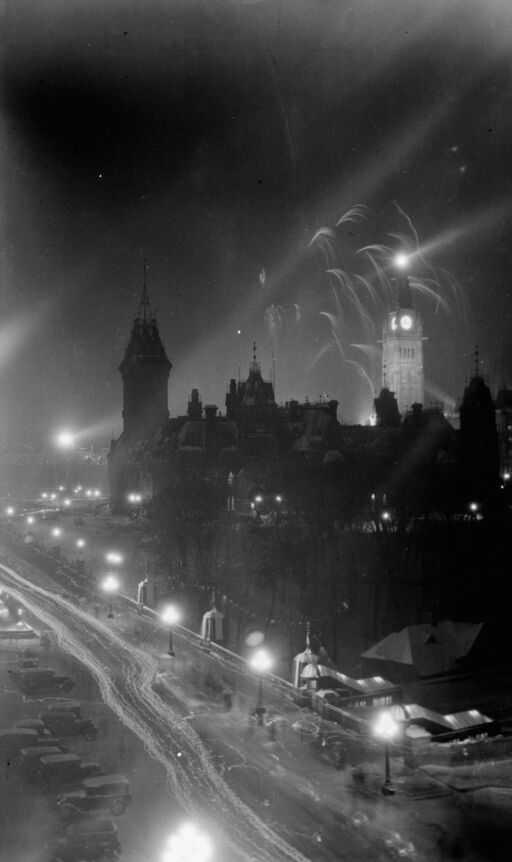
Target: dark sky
215 138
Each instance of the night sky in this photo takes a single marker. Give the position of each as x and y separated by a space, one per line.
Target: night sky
215 139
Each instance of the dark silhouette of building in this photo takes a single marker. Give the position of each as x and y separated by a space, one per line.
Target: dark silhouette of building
257 445
145 371
479 460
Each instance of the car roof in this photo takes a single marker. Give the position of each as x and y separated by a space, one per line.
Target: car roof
41 750
30 722
104 780
26 732
64 714
93 824
60 758
37 671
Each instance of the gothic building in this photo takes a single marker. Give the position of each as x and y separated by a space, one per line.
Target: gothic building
402 351
257 445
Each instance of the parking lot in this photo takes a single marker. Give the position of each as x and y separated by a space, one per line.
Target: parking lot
28 815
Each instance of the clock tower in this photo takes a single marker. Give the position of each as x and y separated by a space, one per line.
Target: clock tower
402 350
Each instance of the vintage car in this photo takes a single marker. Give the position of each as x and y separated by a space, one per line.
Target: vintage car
104 793
29 757
41 679
67 724
13 739
73 706
92 840
56 771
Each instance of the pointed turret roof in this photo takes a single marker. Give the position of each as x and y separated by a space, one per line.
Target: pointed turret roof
404 291
145 341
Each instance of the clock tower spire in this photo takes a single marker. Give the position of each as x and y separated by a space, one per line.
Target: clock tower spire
402 348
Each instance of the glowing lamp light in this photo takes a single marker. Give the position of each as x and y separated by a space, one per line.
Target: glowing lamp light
261 661
88 492
385 726
401 260
65 439
110 584
188 844
53 496
80 543
44 495
473 507
279 499
97 493
67 502
114 558
258 498
31 519
10 511
170 615
506 476
385 516
56 532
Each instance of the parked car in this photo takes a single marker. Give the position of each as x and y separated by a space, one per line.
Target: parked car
67 724
27 663
45 737
73 706
38 679
104 793
29 757
92 840
57 771
13 739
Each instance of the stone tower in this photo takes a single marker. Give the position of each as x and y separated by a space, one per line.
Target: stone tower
402 350
145 371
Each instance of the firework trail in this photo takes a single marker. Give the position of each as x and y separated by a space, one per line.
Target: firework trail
360 300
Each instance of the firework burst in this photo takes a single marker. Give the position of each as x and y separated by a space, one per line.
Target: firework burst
361 299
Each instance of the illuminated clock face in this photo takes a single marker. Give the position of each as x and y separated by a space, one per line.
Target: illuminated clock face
393 322
406 321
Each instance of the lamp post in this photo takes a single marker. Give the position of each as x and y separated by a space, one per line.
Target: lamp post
188 844
110 585
170 615
260 662
386 728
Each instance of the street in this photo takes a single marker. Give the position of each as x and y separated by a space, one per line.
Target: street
258 797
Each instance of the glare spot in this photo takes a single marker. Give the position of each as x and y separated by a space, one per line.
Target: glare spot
254 639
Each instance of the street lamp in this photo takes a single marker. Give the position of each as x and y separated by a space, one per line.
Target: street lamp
114 558
386 728
188 844
170 615
260 662
110 585
56 532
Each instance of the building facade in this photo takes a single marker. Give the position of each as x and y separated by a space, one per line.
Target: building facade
402 351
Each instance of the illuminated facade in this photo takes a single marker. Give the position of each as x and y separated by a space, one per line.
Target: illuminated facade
402 351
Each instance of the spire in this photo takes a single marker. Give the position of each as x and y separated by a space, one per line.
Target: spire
308 632
145 309
254 366
404 291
